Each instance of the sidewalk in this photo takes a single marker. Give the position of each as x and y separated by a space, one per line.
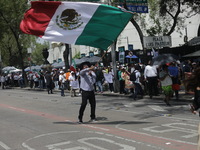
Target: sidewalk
182 96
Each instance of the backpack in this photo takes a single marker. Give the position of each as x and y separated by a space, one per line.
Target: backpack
133 76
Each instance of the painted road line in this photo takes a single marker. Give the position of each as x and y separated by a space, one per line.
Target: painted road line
157 108
4 146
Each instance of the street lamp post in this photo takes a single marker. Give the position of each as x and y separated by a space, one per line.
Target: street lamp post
29 50
46 66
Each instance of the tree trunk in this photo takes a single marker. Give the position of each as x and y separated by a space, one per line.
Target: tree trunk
137 27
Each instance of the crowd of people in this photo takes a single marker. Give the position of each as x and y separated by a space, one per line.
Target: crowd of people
135 79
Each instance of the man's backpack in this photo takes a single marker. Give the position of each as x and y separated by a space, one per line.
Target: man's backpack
133 76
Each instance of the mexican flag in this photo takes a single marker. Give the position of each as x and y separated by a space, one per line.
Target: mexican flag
78 23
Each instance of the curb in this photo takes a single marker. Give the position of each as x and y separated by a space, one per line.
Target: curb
183 97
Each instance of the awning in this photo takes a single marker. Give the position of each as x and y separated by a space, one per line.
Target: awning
133 56
194 41
194 54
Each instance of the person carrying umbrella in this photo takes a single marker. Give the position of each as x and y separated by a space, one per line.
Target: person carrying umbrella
166 83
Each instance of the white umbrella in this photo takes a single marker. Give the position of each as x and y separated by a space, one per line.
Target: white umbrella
8 68
16 70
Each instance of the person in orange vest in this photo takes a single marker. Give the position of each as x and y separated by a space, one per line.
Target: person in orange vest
67 74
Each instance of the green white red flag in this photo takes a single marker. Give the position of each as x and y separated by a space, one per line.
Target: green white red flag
78 23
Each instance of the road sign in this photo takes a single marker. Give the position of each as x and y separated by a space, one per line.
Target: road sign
130 47
138 9
157 41
138 6
134 1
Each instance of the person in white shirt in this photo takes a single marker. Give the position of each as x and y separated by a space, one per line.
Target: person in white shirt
151 76
108 75
16 78
88 78
73 83
3 81
62 80
138 88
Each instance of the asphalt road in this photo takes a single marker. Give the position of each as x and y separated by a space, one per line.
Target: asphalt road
35 120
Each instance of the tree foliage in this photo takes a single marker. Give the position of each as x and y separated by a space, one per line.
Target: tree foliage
12 43
36 55
164 17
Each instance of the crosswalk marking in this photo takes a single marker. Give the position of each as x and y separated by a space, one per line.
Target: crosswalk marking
157 108
4 146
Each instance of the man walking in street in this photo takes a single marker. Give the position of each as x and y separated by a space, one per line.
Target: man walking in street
88 78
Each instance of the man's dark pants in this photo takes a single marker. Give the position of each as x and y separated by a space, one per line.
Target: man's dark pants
138 90
87 95
152 86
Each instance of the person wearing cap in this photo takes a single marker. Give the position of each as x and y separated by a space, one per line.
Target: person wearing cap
88 78
194 66
62 82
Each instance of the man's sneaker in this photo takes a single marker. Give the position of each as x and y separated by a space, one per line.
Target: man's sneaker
80 122
92 120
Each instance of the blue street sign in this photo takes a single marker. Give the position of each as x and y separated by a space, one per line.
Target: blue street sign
134 1
138 9
130 47
121 49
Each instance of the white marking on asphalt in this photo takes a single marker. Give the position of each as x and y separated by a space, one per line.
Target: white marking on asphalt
24 144
16 108
52 146
157 108
4 146
117 126
95 127
84 141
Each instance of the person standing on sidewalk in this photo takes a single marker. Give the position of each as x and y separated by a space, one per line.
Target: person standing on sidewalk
56 78
49 82
174 73
3 81
62 80
138 88
151 76
166 83
74 84
88 78
121 80
99 79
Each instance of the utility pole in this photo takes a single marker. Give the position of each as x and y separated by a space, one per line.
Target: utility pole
114 65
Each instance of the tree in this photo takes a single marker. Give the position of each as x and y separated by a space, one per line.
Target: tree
36 55
164 17
11 14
